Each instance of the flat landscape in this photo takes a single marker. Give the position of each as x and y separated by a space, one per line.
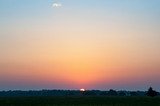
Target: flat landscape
79 52
80 101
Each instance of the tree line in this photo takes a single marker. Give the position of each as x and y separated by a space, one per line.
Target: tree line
111 92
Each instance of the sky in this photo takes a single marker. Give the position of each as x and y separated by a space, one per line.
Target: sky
73 44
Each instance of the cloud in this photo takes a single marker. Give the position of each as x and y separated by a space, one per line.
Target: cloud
56 5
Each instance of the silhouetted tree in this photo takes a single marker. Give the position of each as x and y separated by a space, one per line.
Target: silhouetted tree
122 93
103 93
112 92
151 92
133 93
88 93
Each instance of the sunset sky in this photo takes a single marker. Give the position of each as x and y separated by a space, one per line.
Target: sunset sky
73 44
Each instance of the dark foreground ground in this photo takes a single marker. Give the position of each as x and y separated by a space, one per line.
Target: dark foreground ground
79 101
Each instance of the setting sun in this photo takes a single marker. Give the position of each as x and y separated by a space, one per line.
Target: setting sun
79 52
82 90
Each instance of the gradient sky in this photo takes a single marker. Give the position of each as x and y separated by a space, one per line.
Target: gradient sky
73 44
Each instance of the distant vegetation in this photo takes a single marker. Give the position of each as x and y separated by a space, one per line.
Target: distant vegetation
79 98
111 92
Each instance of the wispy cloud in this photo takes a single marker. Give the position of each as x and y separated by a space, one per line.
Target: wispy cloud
56 5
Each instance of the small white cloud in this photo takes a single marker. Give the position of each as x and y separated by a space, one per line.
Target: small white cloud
56 5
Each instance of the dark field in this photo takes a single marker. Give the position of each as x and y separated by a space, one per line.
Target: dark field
79 101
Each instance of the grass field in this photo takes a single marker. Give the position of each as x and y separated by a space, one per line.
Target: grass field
79 101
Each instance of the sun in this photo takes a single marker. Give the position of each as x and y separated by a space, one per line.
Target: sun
82 90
